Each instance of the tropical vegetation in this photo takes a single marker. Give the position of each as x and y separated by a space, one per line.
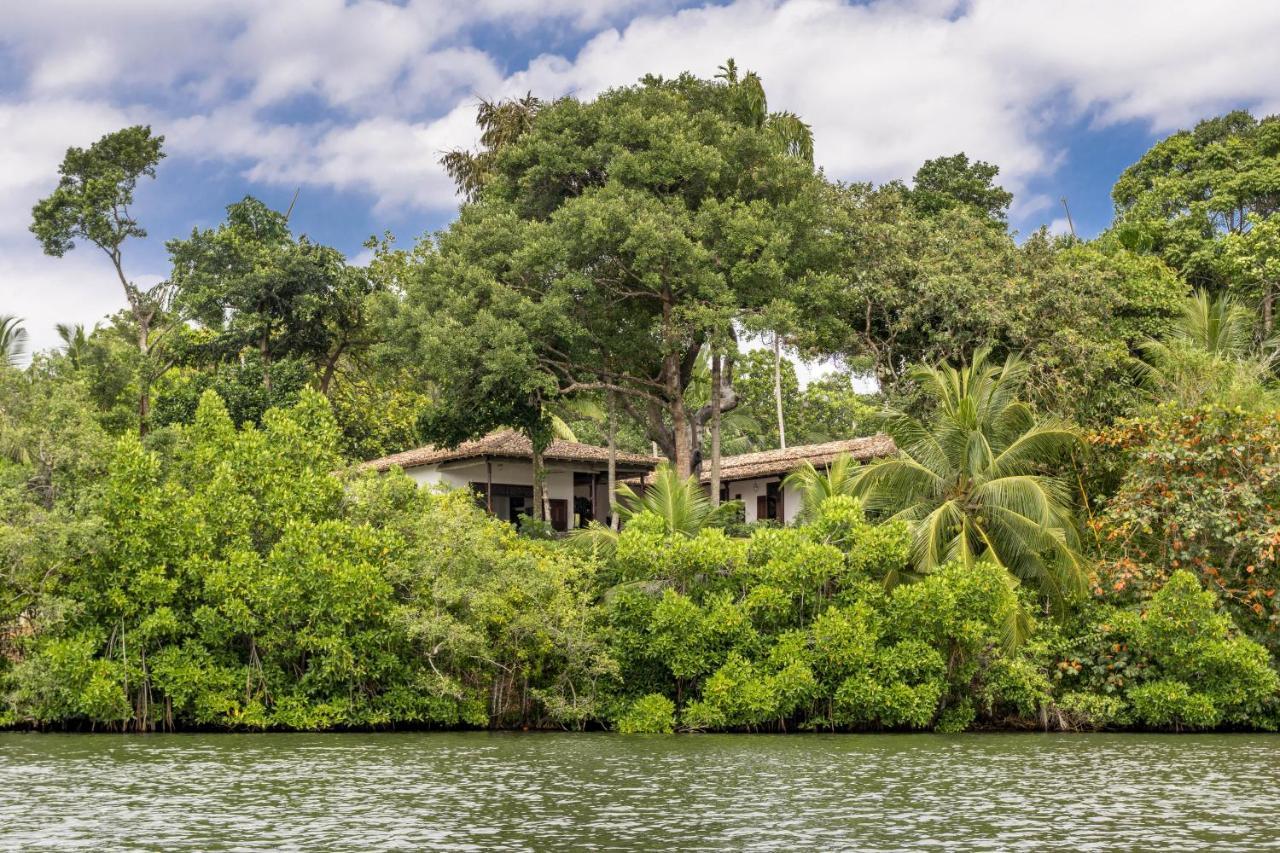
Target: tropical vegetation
1079 528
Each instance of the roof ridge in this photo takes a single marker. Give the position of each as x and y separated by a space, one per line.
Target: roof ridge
505 442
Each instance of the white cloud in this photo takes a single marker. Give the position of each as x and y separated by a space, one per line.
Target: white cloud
393 160
1059 227
78 288
884 84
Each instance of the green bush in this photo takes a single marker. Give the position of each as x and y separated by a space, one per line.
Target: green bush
1092 711
650 714
1173 704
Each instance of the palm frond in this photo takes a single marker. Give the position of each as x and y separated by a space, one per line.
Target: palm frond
13 340
682 504
970 482
815 487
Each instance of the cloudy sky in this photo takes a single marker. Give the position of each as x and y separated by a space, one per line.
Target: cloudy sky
354 101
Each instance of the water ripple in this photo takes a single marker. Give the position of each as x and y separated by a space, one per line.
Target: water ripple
476 791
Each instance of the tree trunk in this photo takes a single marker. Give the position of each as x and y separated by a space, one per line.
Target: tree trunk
144 375
715 428
777 389
1268 309
683 429
613 459
330 368
675 366
540 509
266 364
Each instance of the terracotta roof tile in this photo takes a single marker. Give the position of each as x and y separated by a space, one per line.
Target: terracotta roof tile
508 444
767 463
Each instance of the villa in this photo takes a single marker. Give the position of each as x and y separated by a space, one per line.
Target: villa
756 479
499 468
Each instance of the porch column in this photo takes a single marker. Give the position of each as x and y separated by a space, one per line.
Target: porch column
595 489
488 489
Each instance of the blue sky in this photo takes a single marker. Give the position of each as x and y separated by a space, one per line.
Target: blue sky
352 102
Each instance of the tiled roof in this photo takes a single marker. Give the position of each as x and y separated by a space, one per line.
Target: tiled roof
509 444
767 463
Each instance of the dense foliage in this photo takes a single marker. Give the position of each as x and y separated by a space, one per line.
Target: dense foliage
243 583
1201 492
1079 529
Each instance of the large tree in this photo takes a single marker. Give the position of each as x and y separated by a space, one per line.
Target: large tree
1196 187
933 288
661 213
947 182
259 289
92 204
483 328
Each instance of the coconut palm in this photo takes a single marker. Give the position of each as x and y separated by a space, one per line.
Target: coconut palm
1220 326
815 486
75 341
1209 352
682 504
970 481
13 340
792 135
500 123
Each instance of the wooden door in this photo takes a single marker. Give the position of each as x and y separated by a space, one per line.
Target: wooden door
559 514
762 508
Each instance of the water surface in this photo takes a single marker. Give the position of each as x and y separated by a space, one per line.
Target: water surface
473 791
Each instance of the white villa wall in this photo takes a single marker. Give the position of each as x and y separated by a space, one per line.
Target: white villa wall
459 475
752 489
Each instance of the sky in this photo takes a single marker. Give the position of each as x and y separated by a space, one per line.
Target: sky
352 103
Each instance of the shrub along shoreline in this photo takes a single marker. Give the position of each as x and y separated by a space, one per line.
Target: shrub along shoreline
240 585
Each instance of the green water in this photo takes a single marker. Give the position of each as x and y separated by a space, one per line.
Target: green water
596 791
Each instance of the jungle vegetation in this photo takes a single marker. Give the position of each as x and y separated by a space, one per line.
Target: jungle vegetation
1080 530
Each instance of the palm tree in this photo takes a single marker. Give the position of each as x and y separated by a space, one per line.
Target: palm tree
1219 326
971 480
788 131
682 504
501 123
13 340
1209 352
814 486
75 341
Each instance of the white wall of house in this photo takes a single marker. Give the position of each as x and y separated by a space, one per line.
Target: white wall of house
559 481
749 490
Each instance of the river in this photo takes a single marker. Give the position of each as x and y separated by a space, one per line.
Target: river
464 791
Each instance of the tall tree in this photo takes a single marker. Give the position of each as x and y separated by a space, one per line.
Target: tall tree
947 182
261 290
1196 186
92 204
918 288
662 213
484 328
970 479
